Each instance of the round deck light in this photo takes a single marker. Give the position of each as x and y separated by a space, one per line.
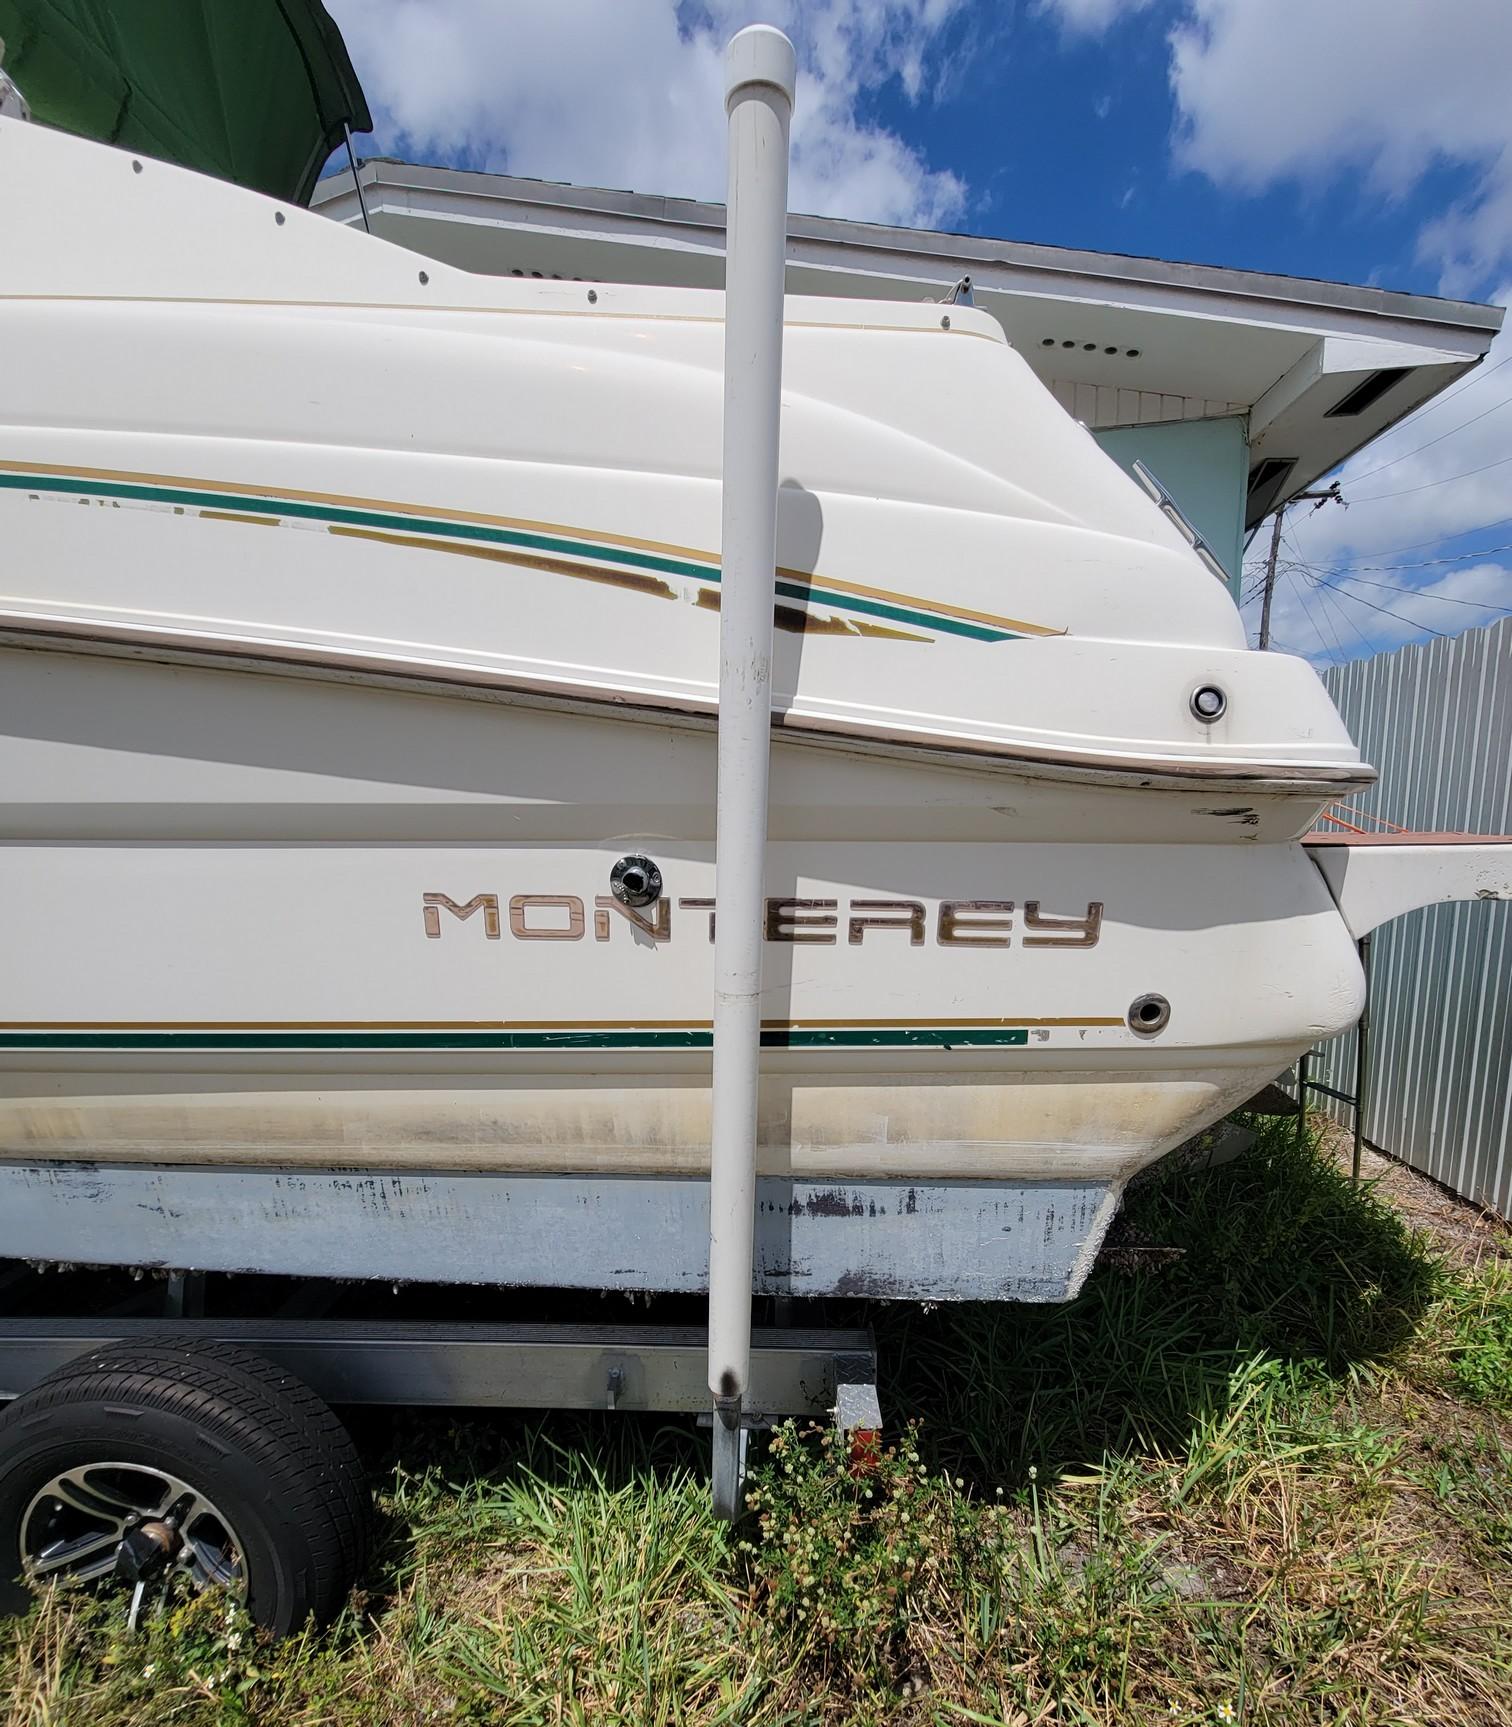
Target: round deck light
1209 703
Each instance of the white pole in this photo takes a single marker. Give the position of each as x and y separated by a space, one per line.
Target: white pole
760 71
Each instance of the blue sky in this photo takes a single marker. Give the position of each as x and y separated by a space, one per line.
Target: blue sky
1367 141
1066 139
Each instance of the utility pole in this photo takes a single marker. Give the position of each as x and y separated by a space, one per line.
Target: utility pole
1270 577
1321 498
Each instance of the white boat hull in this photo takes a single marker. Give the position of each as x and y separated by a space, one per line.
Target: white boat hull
357 617
246 1028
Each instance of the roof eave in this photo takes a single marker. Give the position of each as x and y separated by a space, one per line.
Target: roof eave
1229 285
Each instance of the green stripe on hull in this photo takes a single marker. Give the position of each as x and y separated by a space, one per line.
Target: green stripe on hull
894 614
481 534
840 1037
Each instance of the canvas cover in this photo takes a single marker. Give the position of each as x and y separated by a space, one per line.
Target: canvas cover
254 91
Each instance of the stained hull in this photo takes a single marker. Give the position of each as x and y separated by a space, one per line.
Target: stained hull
356 618
251 1031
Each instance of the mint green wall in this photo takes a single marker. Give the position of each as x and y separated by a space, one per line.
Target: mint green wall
1204 465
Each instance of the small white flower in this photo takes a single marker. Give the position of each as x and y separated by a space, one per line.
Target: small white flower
149 1669
1033 1473
234 1640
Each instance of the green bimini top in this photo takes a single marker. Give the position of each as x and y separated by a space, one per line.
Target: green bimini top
254 91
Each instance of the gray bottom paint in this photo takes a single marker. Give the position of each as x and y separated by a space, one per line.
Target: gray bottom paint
950 1241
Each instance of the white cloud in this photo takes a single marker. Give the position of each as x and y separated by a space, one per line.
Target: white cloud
1089 17
1430 513
1440 473
629 93
1385 93
1474 238
1307 94
1292 90
1462 600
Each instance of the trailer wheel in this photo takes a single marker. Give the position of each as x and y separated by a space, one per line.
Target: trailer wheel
182 1454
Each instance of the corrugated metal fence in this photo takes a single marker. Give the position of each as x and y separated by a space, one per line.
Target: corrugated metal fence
1436 721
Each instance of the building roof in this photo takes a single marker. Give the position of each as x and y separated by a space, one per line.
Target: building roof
1318 369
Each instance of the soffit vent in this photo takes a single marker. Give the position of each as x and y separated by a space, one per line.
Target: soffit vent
1109 348
1265 483
1366 392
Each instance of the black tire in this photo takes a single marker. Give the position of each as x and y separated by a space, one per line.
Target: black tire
250 1437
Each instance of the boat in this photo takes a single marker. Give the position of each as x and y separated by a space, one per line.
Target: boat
360 688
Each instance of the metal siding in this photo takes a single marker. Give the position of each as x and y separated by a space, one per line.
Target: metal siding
1436 720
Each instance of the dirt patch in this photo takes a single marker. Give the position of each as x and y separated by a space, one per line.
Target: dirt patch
1463 1231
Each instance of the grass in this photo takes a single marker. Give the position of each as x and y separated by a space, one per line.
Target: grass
1268 1482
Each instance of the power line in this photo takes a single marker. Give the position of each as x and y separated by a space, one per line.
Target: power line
1428 563
1302 618
1290 647
1477 376
1304 611
1330 494
1418 450
1292 572
1437 540
1360 634
1360 600
1422 593
1348 572
1332 608
1428 485
1338 646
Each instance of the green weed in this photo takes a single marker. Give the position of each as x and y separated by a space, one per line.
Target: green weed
1268 1481
1477 1315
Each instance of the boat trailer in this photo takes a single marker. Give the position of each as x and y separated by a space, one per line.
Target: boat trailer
180 1425
796 1370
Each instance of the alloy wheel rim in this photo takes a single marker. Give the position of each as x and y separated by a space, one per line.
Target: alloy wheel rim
73 1528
